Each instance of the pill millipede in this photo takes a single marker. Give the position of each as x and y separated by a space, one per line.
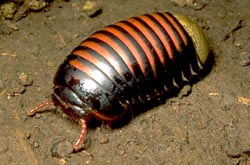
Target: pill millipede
129 63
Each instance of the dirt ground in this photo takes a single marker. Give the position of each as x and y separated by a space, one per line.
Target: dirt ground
209 126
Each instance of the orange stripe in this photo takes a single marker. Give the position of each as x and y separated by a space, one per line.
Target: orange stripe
104 53
151 39
177 27
130 45
140 41
106 69
171 33
117 48
160 34
95 75
77 64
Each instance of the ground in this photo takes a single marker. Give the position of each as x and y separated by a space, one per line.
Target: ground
209 126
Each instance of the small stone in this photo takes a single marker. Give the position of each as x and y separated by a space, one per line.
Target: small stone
36 145
103 139
61 148
244 58
36 4
122 152
91 8
8 10
62 161
25 79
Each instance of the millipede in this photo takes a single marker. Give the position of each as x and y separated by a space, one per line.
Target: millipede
130 62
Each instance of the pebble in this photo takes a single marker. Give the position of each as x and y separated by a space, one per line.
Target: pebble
61 148
103 139
25 79
122 152
8 10
91 8
36 4
36 145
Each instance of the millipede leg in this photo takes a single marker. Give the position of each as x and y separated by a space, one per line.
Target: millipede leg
104 117
79 141
36 109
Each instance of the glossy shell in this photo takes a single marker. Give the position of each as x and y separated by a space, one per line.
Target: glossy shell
132 61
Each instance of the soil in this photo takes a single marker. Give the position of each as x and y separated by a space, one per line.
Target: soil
209 126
